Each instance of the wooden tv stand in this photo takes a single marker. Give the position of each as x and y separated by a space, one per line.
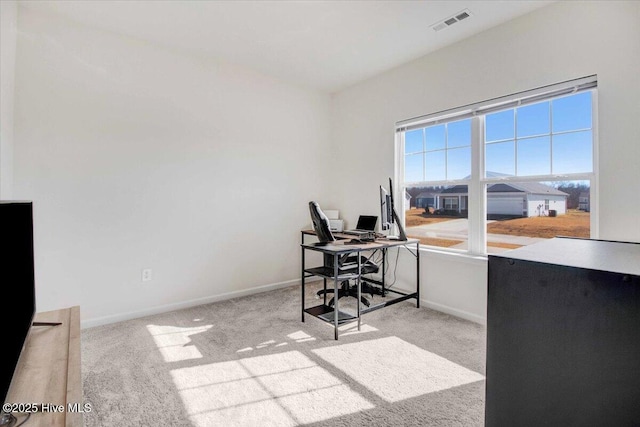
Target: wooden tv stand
49 370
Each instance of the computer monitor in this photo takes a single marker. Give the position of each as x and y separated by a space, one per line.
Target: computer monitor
385 210
320 224
389 216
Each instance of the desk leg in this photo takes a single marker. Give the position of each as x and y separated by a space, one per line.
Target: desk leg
335 295
418 274
384 270
358 284
302 282
324 280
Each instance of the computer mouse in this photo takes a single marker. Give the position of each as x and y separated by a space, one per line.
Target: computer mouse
356 241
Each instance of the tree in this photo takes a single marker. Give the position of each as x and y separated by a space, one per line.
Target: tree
573 189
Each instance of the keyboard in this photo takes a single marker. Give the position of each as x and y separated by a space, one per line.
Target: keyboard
364 235
356 232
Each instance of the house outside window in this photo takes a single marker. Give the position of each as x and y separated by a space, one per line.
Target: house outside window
490 173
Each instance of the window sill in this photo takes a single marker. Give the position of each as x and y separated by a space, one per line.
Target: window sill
448 255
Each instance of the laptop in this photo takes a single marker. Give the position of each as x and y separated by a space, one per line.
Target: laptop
366 224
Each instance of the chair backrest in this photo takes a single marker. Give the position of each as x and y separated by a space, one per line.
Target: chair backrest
324 234
323 230
320 223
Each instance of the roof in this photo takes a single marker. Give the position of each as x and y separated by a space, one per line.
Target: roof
456 189
427 194
521 187
526 187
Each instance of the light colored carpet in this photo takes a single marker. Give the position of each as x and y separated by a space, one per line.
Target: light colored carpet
251 361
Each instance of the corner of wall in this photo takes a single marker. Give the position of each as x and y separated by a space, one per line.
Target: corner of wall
8 39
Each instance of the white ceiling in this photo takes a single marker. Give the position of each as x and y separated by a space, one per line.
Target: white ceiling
325 45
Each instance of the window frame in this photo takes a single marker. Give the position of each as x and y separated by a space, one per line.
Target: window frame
478 182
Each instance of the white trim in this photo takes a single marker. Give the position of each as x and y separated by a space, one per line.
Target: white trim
90 323
447 254
449 310
454 312
594 184
476 192
501 103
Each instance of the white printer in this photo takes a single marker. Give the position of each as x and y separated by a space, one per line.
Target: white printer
335 224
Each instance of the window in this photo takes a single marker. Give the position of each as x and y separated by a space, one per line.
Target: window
503 173
451 203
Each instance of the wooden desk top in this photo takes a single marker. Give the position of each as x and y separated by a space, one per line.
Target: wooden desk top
339 245
49 369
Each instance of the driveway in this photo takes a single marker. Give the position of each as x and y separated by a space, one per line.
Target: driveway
458 229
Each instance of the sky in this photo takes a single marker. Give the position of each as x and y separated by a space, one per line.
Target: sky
550 137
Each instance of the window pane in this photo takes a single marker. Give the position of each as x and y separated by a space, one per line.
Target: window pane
427 219
459 134
459 163
500 159
499 126
572 152
435 137
450 203
413 141
533 120
435 166
534 156
413 168
572 112
523 213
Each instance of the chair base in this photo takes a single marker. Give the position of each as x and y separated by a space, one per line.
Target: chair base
352 291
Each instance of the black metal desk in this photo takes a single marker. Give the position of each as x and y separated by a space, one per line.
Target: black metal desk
337 249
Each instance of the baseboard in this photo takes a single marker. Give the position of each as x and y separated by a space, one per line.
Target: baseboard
89 323
445 308
454 311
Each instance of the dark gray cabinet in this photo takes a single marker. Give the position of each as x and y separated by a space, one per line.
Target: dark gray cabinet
563 335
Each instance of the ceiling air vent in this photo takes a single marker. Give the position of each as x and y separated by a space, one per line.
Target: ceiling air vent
454 19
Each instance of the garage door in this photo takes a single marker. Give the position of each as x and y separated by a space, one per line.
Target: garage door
504 205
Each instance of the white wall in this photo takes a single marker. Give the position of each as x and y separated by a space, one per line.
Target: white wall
8 36
140 157
562 41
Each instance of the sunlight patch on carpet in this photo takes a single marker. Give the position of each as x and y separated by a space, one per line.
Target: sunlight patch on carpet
300 336
352 329
395 369
284 389
172 341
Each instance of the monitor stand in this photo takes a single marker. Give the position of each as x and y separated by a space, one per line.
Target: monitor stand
396 219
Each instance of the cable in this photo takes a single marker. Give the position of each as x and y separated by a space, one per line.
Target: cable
395 270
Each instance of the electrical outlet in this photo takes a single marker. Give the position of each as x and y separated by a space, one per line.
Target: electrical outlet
146 274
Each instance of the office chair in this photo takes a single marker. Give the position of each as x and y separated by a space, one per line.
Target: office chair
346 263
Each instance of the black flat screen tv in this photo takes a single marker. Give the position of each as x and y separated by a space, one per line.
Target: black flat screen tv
18 284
